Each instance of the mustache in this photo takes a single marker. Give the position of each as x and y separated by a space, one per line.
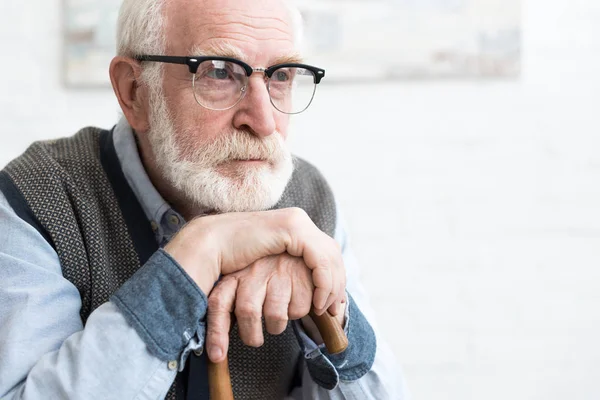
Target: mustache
236 145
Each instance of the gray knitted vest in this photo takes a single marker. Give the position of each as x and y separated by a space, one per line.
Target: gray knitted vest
75 194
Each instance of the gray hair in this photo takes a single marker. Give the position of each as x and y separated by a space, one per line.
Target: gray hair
140 30
141 25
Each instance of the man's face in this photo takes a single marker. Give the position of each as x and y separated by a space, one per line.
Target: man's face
231 160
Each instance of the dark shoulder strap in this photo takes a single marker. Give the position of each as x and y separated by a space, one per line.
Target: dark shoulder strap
20 207
192 382
138 225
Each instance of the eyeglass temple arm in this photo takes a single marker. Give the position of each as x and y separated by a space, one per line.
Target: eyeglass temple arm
189 61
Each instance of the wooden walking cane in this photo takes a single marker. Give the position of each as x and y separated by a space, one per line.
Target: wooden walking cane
219 380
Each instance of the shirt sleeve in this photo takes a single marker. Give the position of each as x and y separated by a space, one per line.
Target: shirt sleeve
384 379
46 352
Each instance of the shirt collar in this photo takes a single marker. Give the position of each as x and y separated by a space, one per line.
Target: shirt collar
164 220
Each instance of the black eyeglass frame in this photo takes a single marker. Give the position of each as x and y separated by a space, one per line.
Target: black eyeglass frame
194 62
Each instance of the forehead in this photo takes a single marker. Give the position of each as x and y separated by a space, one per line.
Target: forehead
261 29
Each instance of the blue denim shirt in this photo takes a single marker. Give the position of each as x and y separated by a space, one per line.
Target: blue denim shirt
46 353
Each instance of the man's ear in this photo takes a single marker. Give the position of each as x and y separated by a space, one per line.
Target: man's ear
125 77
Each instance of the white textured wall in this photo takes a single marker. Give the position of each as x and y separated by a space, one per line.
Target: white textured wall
474 206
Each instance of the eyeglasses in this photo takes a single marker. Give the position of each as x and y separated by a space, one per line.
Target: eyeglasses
220 83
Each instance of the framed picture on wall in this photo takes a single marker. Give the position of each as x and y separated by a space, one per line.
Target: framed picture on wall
413 39
359 40
89 41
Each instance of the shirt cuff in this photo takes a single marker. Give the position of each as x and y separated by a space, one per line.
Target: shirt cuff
165 306
328 369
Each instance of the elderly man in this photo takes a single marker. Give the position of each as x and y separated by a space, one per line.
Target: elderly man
107 293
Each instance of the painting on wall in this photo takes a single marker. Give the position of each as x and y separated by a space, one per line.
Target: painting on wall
414 39
354 40
89 41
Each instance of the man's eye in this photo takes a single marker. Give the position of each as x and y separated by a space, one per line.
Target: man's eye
281 76
218 73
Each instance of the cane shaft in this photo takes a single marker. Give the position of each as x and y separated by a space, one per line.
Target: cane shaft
219 381
333 335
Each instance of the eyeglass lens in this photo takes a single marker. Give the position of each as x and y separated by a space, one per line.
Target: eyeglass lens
220 85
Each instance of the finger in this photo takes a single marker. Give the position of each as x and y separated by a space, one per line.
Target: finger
277 301
332 303
323 256
341 293
338 307
334 309
322 280
248 309
338 291
302 292
338 294
220 305
320 252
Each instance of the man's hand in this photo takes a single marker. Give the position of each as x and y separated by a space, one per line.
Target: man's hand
278 287
226 243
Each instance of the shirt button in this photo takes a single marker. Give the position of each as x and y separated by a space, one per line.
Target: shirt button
198 352
172 365
154 226
173 219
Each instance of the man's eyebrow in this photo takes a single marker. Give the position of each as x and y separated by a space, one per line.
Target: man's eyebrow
219 50
294 58
228 50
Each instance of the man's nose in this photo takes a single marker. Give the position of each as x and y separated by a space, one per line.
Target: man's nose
255 110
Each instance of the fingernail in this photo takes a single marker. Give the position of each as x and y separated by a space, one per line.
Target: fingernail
215 353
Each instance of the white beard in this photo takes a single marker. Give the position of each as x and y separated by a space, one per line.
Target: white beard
192 168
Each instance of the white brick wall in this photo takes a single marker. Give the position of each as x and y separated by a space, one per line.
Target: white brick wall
474 206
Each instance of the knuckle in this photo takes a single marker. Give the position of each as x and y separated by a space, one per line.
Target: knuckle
300 308
294 315
253 341
216 303
214 330
277 329
278 296
297 313
276 316
335 245
334 251
303 276
322 279
323 260
296 215
247 311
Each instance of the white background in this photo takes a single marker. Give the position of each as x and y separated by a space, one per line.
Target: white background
474 206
